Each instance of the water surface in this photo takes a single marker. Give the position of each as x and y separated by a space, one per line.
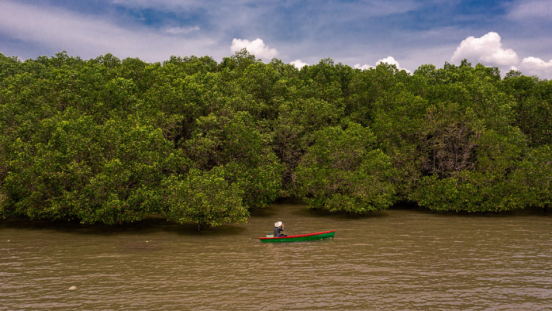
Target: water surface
400 259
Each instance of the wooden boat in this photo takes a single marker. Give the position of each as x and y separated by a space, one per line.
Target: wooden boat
299 238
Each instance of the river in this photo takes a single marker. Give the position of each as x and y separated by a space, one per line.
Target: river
400 259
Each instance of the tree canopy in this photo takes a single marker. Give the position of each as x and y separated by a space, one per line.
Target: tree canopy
112 141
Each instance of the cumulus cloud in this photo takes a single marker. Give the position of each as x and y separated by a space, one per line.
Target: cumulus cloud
363 67
256 47
487 50
298 64
536 66
389 60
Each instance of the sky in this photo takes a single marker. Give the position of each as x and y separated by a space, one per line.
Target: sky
511 34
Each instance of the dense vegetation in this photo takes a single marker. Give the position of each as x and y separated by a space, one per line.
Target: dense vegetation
197 141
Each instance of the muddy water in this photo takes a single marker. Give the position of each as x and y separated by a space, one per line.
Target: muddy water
400 259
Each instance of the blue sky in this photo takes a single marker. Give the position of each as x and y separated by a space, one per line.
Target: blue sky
360 33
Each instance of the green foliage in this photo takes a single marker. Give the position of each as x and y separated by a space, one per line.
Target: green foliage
72 168
343 171
399 125
488 186
9 66
534 176
235 143
204 198
295 127
109 140
534 107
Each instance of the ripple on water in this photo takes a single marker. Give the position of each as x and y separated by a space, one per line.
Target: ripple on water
400 260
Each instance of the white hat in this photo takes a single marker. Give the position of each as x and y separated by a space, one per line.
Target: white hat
278 224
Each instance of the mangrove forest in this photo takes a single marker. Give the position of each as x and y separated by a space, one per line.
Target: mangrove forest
113 141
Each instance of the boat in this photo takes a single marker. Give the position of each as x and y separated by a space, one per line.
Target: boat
298 238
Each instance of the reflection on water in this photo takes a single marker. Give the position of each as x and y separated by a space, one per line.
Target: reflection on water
400 259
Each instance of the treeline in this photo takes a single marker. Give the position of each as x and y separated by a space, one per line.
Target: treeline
111 141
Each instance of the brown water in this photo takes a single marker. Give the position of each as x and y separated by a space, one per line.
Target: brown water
398 260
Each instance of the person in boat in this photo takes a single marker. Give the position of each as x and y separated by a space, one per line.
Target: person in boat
278 228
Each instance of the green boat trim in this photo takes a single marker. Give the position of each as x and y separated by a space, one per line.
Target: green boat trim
299 238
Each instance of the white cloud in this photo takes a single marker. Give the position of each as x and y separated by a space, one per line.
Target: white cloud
389 60
536 66
363 67
537 62
256 47
88 37
298 64
487 50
